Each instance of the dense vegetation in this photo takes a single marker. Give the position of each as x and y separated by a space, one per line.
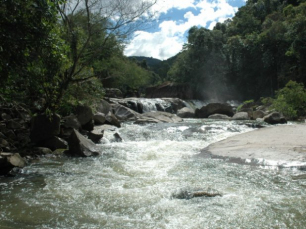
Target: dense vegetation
250 56
59 52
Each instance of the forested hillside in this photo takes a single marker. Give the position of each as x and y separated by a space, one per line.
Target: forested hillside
250 56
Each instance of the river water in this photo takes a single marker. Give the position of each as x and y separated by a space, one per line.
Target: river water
133 184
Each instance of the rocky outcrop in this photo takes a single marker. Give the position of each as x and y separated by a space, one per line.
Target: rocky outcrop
80 146
158 117
214 108
274 118
241 116
170 90
186 112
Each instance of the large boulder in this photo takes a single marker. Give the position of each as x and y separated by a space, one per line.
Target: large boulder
214 108
10 160
96 135
71 122
124 113
44 127
84 114
158 117
111 119
186 112
80 146
103 107
274 118
175 104
258 114
99 118
248 110
241 116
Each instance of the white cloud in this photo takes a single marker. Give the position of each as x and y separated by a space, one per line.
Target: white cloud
163 6
169 39
157 45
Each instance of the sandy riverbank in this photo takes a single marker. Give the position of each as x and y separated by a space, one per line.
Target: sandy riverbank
283 145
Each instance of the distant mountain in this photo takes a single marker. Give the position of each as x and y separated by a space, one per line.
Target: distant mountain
151 62
160 67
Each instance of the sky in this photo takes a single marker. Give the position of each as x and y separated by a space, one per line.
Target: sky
173 20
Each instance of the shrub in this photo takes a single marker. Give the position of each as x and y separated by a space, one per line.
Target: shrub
291 100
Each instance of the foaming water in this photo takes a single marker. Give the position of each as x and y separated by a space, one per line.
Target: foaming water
132 184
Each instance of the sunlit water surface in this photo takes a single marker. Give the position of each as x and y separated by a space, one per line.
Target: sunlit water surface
132 185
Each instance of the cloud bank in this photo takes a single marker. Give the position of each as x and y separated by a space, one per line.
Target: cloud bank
168 40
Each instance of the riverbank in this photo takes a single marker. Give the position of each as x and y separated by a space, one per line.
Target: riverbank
282 146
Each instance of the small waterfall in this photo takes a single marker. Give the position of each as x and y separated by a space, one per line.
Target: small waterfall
194 104
171 105
154 105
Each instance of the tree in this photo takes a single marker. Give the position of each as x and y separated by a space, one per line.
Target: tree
202 63
31 51
90 27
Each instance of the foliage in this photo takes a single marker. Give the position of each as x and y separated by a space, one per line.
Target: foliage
291 100
126 74
87 92
50 49
251 55
202 62
31 51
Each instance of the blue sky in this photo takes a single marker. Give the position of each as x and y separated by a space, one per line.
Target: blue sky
173 20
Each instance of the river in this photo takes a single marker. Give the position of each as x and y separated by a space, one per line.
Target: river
133 184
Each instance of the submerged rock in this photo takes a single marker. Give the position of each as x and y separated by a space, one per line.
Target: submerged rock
185 194
219 116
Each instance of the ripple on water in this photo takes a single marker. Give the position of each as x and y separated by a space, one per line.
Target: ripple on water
132 184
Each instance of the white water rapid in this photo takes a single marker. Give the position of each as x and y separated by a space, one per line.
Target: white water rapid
132 185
